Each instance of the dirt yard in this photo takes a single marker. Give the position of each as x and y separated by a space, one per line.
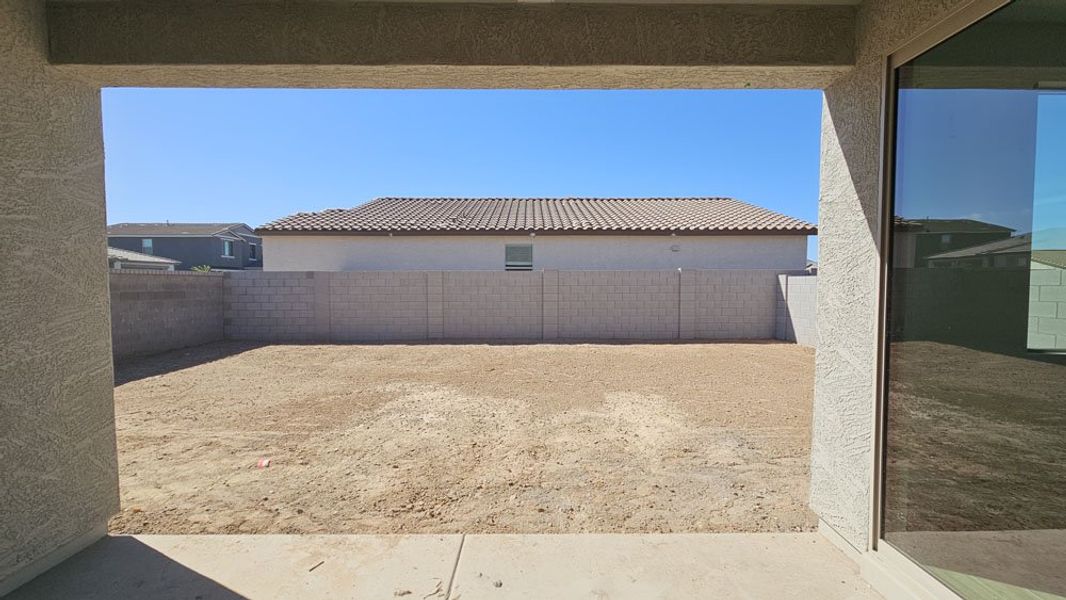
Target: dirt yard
466 438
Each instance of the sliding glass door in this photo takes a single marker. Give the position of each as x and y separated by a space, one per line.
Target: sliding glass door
974 486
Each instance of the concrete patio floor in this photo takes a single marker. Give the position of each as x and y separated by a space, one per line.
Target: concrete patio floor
470 567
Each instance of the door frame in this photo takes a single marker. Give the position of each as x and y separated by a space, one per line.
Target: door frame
906 575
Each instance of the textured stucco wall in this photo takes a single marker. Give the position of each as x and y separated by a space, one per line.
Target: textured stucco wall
346 44
58 473
845 376
156 311
351 253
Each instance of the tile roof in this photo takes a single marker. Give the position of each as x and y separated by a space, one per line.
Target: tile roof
589 215
1015 245
170 228
1011 245
948 225
131 256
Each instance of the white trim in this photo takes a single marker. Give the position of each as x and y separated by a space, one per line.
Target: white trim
842 544
896 576
35 568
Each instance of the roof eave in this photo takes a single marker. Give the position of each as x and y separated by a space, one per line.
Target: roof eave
808 231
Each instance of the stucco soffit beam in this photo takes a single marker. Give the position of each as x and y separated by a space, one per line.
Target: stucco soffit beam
546 45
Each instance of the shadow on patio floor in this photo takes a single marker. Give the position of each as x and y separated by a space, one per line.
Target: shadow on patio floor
123 567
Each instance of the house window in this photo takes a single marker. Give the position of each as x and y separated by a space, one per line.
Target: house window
518 257
227 248
253 251
146 246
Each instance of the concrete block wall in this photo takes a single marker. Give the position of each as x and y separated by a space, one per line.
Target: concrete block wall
155 311
1047 307
378 305
550 304
275 306
735 304
797 303
619 304
357 306
493 304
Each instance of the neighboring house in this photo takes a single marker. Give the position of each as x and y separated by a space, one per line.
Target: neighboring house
118 258
540 233
1008 252
916 240
221 246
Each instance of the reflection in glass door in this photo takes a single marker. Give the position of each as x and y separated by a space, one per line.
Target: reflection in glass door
975 400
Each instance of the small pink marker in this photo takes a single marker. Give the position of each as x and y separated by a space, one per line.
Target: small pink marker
263 463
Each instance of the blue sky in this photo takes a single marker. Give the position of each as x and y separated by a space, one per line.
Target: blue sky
257 155
990 155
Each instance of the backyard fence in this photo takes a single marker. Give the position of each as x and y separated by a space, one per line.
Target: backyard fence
797 302
153 311
358 306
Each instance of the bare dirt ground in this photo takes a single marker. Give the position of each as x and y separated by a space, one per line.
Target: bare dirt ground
466 438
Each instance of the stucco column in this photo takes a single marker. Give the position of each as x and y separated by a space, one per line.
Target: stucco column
842 460
845 364
58 473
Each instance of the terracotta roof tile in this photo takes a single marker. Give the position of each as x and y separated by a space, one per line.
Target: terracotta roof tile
500 215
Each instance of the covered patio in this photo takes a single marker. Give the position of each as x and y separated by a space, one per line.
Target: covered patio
620 567
59 471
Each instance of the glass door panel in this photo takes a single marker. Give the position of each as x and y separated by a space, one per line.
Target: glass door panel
975 399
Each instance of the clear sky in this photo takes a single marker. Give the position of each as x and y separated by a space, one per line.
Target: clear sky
990 155
257 155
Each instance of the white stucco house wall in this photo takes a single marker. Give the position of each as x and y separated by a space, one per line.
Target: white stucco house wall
539 233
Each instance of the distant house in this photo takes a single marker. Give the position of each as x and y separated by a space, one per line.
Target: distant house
118 258
221 246
916 240
1003 253
541 233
